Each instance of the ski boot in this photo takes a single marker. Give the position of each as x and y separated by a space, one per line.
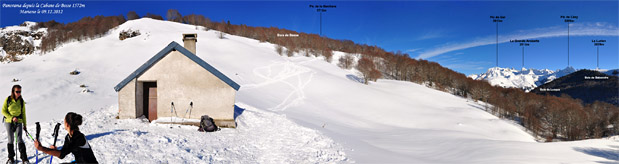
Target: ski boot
10 161
22 152
10 148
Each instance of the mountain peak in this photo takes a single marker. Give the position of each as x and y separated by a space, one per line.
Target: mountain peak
525 79
569 68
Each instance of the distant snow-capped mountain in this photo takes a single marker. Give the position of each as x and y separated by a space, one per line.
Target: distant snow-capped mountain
611 72
526 79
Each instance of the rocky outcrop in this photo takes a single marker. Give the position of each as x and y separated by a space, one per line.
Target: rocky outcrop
15 43
128 34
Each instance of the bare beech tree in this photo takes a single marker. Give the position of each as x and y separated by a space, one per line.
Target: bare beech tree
306 52
375 75
366 66
84 29
154 16
174 15
195 20
328 54
346 61
279 49
132 15
290 51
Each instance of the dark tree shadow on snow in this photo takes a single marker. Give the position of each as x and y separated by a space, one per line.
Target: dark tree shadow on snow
481 107
477 106
354 78
610 154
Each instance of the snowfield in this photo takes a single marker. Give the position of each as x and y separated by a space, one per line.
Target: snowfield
262 137
288 110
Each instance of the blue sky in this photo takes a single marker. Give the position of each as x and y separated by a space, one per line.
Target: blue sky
456 34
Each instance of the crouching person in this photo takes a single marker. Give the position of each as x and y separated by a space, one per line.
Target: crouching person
75 142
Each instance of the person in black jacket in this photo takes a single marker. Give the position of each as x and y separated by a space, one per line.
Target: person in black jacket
75 142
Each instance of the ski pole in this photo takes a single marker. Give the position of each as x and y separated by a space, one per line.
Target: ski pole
55 134
38 130
188 110
171 111
37 151
28 134
15 138
31 137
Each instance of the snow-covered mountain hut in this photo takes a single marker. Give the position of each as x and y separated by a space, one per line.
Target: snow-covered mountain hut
170 81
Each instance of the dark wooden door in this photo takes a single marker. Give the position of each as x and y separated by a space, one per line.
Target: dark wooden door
152 103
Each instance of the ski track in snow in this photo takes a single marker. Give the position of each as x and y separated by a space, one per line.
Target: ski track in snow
284 73
261 137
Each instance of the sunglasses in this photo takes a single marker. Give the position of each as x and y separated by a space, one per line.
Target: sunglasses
18 92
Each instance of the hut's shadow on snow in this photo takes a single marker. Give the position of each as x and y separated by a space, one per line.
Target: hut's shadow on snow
238 111
610 154
93 136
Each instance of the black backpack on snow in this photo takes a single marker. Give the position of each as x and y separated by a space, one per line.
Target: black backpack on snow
207 124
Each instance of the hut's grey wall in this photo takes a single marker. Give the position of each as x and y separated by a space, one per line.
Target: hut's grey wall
180 80
127 101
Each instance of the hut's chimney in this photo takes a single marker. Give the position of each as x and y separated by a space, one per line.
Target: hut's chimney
190 42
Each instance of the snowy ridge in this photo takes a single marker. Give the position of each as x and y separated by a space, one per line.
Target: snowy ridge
26 27
289 110
611 72
526 79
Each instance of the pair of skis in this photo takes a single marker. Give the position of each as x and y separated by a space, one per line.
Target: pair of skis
55 135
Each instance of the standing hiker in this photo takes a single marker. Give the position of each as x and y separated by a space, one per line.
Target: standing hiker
75 142
14 113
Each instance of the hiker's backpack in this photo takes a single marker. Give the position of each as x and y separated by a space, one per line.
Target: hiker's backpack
207 124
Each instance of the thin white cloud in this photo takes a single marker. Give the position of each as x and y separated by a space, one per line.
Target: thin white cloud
468 65
431 35
576 29
413 50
